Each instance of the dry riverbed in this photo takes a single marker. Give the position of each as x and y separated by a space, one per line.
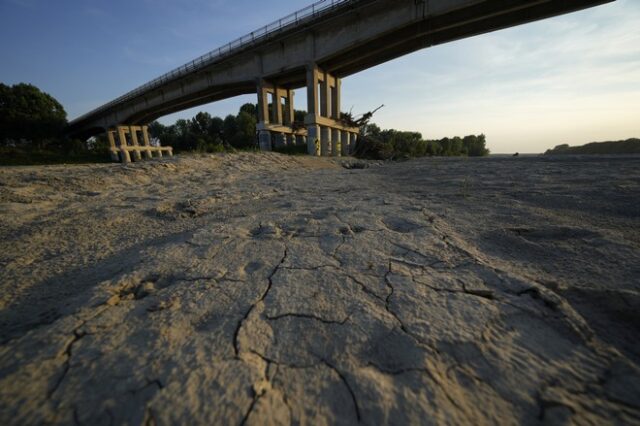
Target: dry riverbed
257 289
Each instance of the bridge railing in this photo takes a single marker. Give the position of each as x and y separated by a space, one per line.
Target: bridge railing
294 19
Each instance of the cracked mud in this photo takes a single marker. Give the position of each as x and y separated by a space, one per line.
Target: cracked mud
265 289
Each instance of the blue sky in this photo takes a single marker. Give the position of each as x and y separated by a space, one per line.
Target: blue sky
570 79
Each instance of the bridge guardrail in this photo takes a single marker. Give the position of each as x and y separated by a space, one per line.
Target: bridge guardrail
289 21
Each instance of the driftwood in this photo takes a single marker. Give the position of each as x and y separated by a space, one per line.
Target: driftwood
348 119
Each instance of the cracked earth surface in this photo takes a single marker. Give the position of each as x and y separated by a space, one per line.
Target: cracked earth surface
265 289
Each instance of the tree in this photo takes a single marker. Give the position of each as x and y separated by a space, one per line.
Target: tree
475 145
370 130
245 130
249 108
200 124
230 128
157 130
29 114
445 146
216 128
456 146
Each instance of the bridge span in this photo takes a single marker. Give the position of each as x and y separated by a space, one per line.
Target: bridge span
313 48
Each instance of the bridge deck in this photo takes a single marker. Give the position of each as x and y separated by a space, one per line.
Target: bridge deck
341 37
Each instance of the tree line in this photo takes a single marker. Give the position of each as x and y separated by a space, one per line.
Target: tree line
628 146
375 143
204 133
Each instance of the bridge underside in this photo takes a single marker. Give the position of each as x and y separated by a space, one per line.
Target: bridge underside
317 55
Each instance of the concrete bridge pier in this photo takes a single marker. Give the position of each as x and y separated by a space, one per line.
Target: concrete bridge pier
275 115
323 112
127 142
324 127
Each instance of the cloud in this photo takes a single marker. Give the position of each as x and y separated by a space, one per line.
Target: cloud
569 75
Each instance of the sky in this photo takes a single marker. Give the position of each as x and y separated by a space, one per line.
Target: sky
570 79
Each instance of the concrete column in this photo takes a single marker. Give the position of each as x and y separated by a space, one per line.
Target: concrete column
325 141
352 144
124 152
147 142
313 109
264 140
312 91
336 142
263 101
313 139
288 113
301 140
291 139
122 136
346 141
277 105
280 140
336 99
133 131
113 150
325 96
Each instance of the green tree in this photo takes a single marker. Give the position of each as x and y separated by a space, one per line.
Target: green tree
370 130
200 124
245 130
216 128
30 114
475 145
249 108
456 146
230 128
433 148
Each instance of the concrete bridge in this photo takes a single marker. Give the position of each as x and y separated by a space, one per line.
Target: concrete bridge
314 48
